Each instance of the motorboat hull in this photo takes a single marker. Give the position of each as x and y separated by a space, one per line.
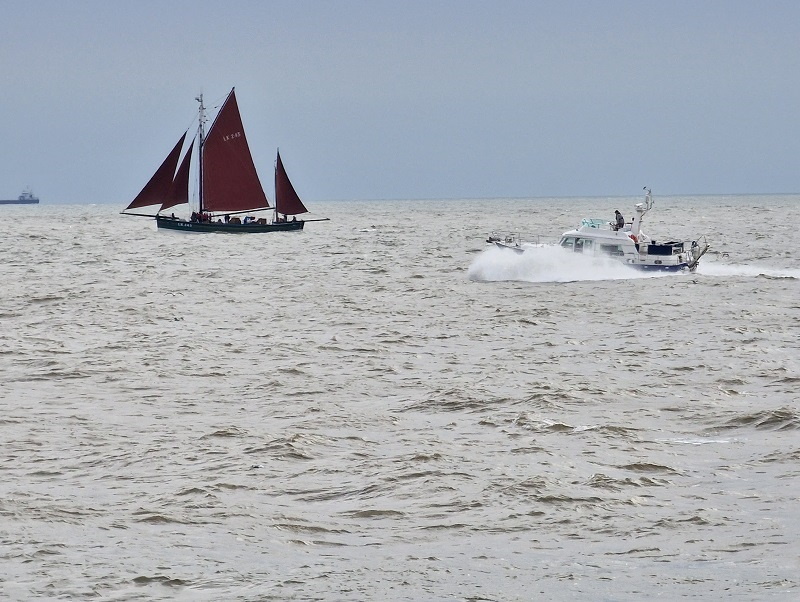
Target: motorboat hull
645 267
681 267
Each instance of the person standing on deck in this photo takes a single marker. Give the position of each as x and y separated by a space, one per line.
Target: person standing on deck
620 220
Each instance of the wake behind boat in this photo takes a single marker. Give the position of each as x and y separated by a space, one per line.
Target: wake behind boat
625 242
227 183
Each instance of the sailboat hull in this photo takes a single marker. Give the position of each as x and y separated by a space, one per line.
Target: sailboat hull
169 223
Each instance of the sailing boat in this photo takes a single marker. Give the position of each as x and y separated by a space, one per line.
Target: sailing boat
228 183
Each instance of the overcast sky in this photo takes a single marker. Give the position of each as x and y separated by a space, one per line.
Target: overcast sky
408 99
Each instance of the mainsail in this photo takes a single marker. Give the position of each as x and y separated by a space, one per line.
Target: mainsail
158 188
286 200
230 181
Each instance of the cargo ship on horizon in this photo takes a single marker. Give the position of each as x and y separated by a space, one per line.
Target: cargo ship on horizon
26 198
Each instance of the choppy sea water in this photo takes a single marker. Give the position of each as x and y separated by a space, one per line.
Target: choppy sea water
380 408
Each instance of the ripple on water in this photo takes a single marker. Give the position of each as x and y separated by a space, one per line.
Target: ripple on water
296 417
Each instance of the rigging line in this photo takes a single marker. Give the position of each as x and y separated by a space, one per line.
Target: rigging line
136 214
219 102
216 213
218 106
190 126
215 104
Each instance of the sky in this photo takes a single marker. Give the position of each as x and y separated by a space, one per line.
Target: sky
411 99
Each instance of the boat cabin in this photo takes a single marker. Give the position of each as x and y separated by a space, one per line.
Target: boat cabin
598 237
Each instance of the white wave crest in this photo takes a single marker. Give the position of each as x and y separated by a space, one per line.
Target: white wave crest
711 268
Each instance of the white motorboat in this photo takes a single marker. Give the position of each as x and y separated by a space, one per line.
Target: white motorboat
628 243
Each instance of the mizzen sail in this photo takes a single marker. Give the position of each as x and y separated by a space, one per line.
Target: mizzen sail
230 180
286 200
157 189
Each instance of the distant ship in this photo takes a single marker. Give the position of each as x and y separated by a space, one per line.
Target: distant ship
26 198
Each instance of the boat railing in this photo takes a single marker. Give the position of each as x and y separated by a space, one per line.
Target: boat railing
700 244
601 224
513 238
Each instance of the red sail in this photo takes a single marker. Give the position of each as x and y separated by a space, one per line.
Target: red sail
286 200
230 181
157 189
179 191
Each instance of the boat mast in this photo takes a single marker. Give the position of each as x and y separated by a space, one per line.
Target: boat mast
201 134
275 189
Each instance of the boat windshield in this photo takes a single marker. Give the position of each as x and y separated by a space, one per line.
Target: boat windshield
594 223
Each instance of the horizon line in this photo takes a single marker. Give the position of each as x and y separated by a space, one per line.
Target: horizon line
479 198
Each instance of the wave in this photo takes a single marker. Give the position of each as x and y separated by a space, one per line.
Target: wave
549 263
779 419
711 268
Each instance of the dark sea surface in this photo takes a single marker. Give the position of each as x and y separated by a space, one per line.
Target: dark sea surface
380 408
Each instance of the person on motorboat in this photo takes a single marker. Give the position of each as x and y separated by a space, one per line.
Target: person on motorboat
620 221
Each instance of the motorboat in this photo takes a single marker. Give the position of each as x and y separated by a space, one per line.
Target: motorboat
626 242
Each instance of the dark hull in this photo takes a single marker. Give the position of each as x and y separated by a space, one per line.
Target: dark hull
663 268
18 202
169 223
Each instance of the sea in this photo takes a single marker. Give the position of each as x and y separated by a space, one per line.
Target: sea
384 407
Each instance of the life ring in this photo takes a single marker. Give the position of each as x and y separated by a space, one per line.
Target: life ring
633 237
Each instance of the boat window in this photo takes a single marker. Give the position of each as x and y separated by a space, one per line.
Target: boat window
568 242
613 250
578 245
